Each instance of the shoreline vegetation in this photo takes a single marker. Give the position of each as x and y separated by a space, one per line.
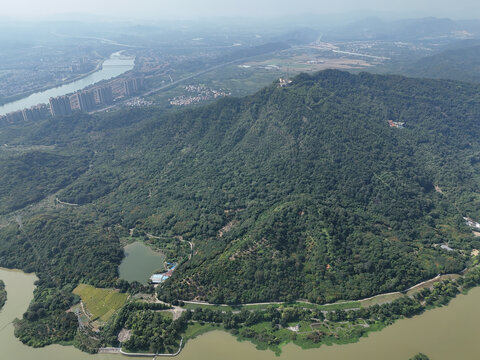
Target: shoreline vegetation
254 327
3 294
420 356
339 305
270 326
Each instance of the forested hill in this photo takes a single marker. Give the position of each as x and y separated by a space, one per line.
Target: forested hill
461 63
327 201
303 191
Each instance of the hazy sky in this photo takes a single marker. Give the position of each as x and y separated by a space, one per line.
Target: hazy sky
188 9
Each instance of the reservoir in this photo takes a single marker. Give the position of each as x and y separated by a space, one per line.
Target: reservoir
116 65
140 263
444 333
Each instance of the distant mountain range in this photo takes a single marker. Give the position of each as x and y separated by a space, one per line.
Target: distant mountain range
407 30
461 61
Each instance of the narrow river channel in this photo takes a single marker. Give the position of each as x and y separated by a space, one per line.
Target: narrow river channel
447 333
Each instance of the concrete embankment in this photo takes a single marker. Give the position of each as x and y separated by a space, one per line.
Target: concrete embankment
113 350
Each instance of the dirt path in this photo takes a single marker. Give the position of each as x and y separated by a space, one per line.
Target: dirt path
177 312
57 200
387 297
251 304
178 237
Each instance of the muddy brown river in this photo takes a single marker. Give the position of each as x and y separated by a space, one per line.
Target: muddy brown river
446 333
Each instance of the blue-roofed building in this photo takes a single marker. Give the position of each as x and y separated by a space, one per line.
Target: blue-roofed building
158 278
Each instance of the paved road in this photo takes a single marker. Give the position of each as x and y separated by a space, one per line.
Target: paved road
183 79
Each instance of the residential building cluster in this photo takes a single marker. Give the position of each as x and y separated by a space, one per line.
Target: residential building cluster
202 94
84 100
138 102
31 114
95 97
124 87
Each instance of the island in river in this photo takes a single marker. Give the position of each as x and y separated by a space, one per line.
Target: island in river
3 294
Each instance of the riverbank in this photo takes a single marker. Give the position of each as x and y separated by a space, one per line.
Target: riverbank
273 325
442 333
112 350
102 72
342 304
26 94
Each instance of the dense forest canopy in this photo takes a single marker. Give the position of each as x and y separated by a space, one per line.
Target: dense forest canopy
303 191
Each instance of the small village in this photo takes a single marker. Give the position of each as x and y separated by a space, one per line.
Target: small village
203 93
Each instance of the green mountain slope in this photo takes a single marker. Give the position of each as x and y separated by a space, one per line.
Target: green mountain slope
296 192
27 178
334 203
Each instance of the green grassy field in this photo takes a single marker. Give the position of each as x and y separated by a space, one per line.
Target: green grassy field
197 329
167 314
101 303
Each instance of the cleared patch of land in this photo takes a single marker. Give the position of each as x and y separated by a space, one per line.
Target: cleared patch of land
100 303
309 63
341 305
264 306
388 298
381 299
428 284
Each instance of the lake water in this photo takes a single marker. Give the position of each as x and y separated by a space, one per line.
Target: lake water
140 263
114 66
443 334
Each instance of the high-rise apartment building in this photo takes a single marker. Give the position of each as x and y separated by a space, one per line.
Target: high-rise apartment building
60 106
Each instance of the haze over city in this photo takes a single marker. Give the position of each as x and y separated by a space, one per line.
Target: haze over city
190 9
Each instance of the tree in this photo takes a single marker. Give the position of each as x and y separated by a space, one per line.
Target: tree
420 356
